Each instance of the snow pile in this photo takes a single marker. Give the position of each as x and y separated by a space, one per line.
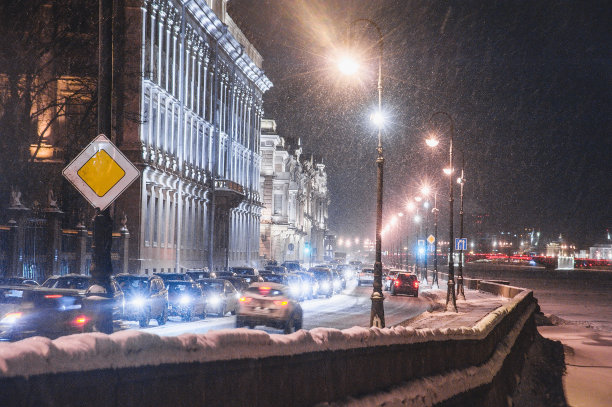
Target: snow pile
123 349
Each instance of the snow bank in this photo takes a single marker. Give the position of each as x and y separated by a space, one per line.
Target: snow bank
124 349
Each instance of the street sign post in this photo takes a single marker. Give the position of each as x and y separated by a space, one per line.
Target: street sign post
461 244
101 172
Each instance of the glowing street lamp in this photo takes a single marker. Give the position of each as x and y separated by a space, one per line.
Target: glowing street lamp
450 293
377 312
348 65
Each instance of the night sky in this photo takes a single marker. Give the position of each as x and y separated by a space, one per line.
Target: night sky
528 84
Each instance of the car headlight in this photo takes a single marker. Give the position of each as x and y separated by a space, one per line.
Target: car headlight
138 302
214 300
184 300
11 318
325 285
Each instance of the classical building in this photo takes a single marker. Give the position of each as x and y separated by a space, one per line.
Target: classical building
200 100
295 197
187 106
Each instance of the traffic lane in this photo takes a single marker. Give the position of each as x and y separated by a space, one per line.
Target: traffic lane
351 308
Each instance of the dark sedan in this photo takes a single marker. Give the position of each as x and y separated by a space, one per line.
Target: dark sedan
221 296
28 311
186 300
146 297
405 283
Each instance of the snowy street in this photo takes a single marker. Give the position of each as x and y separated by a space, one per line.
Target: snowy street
351 308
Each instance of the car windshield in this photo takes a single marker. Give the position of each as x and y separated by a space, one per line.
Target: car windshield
406 277
243 271
367 270
177 288
78 283
275 278
133 284
212 285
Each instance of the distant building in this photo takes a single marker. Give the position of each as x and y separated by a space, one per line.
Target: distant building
295 197
601 252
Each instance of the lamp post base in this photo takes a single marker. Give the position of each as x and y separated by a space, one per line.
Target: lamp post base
377 315
450 295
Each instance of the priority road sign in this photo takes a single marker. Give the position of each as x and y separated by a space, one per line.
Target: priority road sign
101 172
431 239
461 244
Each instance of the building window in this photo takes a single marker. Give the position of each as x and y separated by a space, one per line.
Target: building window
278 204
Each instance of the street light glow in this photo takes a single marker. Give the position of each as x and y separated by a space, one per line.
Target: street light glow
378 118
448 171
432 142
348 65
425 190
410 206
417 218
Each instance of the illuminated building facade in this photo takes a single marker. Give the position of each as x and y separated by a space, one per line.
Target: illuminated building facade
294 189
199 98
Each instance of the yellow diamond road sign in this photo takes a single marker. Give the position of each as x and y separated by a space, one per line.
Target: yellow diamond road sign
431 239
101 172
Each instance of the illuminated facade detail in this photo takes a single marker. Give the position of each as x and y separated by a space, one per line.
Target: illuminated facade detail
295 199
199 98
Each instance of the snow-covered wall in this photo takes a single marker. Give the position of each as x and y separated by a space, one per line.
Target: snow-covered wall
309 359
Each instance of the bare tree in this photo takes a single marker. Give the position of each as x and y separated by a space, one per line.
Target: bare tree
48 68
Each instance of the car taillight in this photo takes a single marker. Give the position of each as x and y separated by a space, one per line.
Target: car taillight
53 296
281 303
415 284
80 320
245 299
397 283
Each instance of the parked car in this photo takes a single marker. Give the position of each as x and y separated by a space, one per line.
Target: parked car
221 296
146 298
365 276
269 304
18 281
80 285
325 279
51 312
186 300
174 277
248 273
405 283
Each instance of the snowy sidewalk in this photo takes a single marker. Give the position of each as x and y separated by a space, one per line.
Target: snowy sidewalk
477 305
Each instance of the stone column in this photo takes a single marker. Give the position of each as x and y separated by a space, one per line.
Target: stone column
80 254
54 236
124 247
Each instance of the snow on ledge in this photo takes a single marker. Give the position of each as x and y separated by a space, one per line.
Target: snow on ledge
91 351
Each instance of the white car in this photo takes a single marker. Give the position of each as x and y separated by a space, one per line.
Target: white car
366 276
269 304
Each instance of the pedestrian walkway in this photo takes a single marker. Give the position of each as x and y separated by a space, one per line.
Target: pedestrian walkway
477 305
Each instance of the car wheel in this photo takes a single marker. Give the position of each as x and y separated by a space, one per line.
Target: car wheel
290 325
222 312
239 323
393 292
298 324
144 321
203 314
163 318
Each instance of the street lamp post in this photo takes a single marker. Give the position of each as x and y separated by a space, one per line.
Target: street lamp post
435 211
461 182
450 293
426 205
377 312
